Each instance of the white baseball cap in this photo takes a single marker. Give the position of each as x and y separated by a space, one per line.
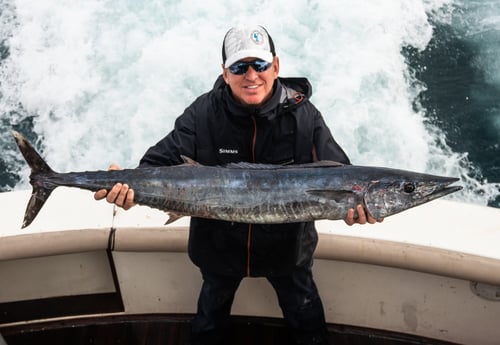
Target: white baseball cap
247 41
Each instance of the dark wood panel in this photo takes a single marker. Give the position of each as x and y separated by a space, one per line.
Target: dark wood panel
60 306
175 330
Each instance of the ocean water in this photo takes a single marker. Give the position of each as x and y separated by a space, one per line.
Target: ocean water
403 84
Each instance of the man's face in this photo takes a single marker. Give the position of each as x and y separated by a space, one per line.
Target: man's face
252 88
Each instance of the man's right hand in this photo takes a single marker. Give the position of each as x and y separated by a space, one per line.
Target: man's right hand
120 195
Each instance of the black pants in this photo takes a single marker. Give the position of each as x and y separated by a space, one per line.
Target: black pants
297 295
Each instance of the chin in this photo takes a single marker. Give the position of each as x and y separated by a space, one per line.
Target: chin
253 100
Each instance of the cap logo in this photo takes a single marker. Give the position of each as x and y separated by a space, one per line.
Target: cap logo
257 37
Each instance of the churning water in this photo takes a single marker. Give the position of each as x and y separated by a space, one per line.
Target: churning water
402 84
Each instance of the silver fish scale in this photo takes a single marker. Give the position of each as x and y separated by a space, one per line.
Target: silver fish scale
260 196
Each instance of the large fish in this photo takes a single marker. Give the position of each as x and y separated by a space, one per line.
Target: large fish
249 193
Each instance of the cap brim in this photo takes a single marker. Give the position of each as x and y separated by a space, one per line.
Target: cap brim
249 53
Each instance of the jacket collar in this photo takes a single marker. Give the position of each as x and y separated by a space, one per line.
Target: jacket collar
288 93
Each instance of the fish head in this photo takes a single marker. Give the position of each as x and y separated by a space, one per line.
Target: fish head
404 190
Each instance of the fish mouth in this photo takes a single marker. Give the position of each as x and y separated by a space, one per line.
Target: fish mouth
443 188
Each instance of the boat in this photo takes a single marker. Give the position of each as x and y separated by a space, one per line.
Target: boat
86 272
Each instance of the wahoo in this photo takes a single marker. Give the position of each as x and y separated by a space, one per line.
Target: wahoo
249 193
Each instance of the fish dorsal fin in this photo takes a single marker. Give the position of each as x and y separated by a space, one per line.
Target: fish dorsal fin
189 161
320 164
246 165
259 166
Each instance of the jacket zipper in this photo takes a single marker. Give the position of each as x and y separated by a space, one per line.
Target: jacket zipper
254 139
249 235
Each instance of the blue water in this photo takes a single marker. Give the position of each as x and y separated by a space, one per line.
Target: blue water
403 84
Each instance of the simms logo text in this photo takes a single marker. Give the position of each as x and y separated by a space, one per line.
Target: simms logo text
228 151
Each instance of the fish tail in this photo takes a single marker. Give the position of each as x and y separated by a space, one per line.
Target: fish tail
41 191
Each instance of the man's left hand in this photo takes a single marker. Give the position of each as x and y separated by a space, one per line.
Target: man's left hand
363 217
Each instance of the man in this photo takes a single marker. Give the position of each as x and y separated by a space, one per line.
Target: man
250 115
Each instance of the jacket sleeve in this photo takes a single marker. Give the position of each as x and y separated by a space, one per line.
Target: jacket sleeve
180 141
325 146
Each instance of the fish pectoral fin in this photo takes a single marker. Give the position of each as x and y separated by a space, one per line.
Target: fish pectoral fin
172 217
337 195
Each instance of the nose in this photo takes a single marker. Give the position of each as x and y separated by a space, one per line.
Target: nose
251 74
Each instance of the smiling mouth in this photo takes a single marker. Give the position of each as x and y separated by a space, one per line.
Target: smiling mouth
251 87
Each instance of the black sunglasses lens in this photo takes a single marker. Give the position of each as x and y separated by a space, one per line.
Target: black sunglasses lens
240 68
260 66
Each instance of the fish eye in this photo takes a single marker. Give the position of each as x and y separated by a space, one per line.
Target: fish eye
408 188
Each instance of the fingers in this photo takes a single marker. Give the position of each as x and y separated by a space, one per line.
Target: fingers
114 167
120 195
372 220
116 195
349 219
100 194
125 197
129 200
363 217
361 214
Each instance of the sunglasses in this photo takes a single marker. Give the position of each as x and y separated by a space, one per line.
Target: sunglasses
241 67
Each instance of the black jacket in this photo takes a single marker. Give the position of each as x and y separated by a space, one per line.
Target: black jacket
215 130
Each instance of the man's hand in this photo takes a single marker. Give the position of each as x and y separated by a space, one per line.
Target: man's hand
120 195
363 217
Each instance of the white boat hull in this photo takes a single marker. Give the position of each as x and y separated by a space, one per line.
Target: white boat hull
432 271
